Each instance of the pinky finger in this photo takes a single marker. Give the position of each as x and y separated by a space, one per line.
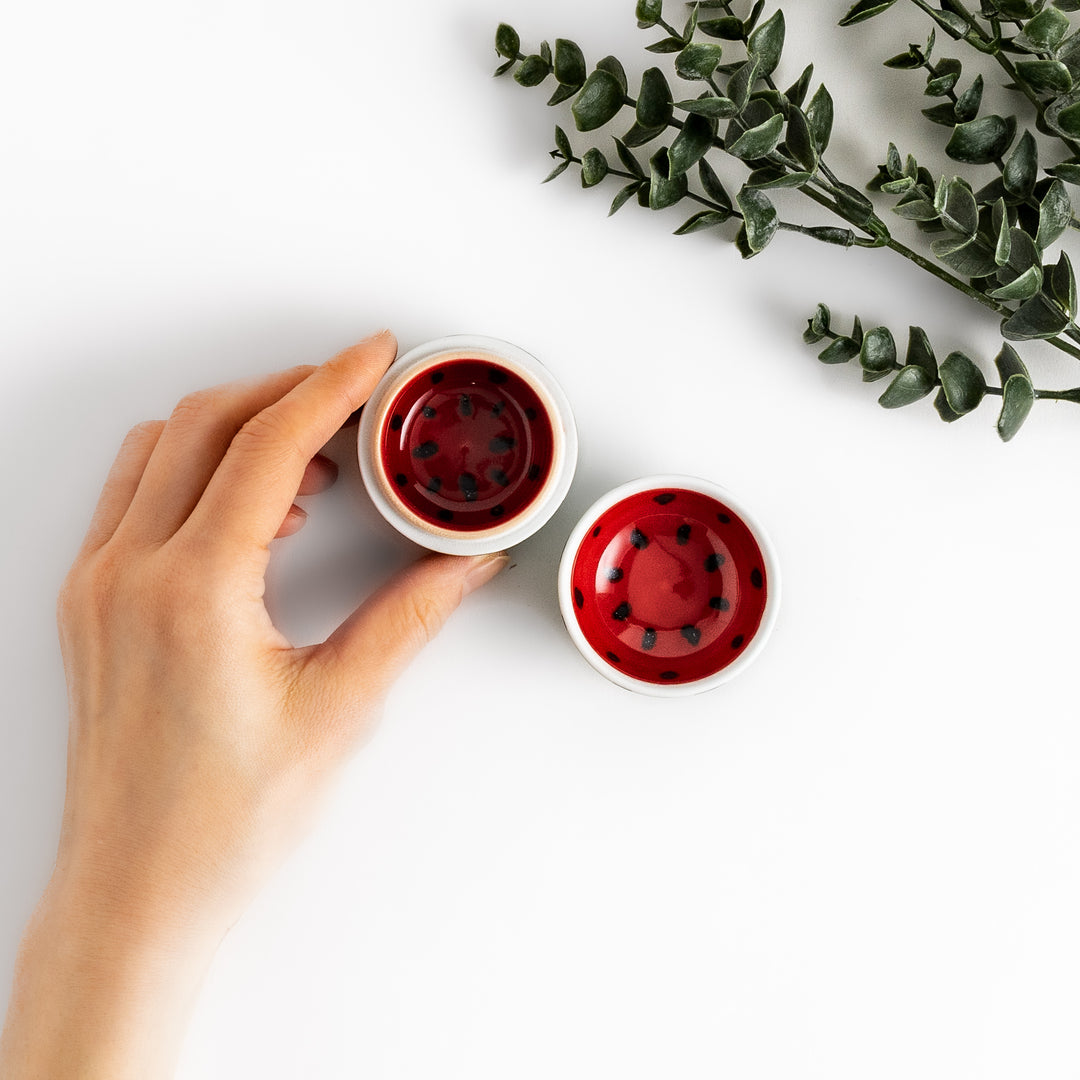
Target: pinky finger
122 483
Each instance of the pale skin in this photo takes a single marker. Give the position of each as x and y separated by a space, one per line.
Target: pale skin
200 739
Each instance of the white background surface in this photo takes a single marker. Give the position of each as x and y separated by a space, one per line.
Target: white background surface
858 859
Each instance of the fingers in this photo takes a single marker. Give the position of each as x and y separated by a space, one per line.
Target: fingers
191 447
319 474
249 494
122 483
362 658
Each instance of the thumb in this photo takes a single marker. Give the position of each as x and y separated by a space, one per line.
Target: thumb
359 662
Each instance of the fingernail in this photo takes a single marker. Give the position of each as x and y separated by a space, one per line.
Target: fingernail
484 568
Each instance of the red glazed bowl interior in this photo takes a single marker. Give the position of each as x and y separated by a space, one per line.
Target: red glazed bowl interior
466 444
669 586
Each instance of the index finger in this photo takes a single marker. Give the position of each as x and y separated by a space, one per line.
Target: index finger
252 489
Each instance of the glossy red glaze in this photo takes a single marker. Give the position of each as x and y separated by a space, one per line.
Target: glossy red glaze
669 586
467 445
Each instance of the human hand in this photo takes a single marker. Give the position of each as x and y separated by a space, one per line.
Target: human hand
200 739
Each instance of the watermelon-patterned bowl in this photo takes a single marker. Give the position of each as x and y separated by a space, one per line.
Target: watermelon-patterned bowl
668 586
467 445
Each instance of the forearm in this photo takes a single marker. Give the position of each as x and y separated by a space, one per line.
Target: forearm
100 992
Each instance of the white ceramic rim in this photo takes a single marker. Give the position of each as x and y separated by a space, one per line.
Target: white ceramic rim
566 600
498 537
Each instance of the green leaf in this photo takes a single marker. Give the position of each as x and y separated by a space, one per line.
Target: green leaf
691 23
1044 32
570 67
533 71
796 92
818 325
865 9
654 108
691 144
800 139
502 69
639 136
854 205
943 114
1063 284
758 141
957 207
1039 317
729 28
829 234
819 115
664 190
914 207
839 351
760 220
981 141
649 12
911 384
943 409
562 143
562 93
878 353
507 42
962 383
1067 120
557 171
1018 394
768 179
1045 76
717 108
712 186
1022 251
1003 246
752 18
624 195
594 167
1023 287
697 60
1022 169
1055 213
628 159
905 61
946 75
545 53
1068 171
767 43
612 64
599 101
741 82
920 353
970 257
705 219
967 104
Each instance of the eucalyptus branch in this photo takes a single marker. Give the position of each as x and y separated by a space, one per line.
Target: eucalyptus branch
990 242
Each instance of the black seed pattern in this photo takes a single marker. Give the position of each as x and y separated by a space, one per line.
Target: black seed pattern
497 408
622 612
434 484
719 603
756 578
579 598
596 531
639 539
501 444
682 535
401 479
427 412
498 511
426 449
648 639
736 641
669 675
614 574
437 376
663 500
466 483
714 562
465 405
723 519
496 376
446 515
692 634
613 658
499 477
534 472
530 413
396 421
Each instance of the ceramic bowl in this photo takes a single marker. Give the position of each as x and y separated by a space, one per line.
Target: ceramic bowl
468 445
668 586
